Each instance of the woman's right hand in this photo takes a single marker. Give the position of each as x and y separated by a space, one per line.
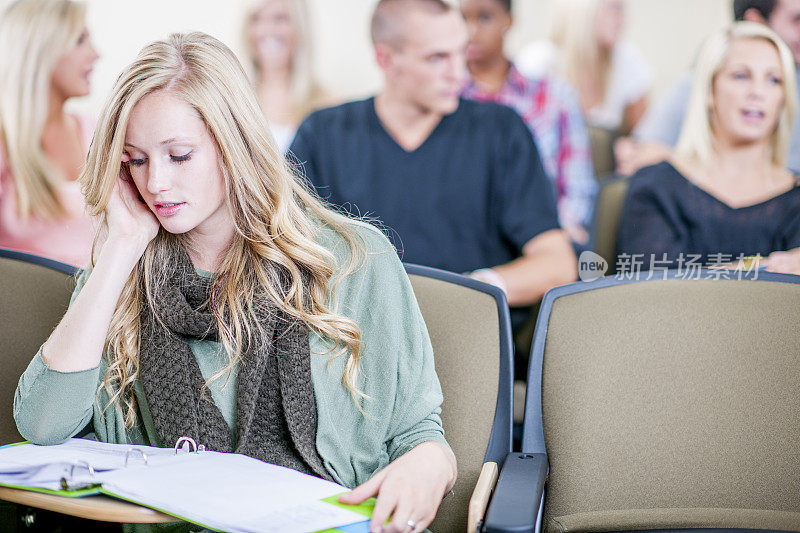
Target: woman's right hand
129 219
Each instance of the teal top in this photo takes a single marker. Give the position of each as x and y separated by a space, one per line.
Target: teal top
397 374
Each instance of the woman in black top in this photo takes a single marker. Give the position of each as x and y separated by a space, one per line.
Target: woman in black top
726 193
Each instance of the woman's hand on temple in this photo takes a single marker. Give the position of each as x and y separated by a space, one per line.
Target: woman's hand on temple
409 489
129 219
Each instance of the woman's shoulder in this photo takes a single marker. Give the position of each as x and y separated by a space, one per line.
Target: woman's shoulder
87 123
631 70
537 59
661 180
655 175
366 265
333 235
360 250
626 52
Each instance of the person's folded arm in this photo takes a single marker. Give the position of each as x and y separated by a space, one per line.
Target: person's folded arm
547 261
52 406
54 397
528 220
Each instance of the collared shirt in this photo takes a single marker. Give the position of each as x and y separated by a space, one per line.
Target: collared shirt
551 111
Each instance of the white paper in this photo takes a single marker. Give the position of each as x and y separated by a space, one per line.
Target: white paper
224 491
29 465
233 492
101 455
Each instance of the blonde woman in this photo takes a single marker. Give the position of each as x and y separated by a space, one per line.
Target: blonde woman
726 193
218 272
278 44
47 58
585 48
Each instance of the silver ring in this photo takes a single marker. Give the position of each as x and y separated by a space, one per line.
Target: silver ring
412 525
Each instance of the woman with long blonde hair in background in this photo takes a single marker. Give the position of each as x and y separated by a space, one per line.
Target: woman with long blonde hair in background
46 58
279 51
228 304
726 193
586 48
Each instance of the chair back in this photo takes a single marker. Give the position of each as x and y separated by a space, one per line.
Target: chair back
607 215
470 329
669 404
601 143
35 295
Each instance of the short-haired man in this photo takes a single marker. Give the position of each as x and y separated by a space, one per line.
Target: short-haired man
659 129
460 182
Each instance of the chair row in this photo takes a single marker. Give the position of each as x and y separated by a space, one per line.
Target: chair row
666 404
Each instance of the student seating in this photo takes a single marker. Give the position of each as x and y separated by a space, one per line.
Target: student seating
470 329
35 295
601 143
607 215
668 404
469 326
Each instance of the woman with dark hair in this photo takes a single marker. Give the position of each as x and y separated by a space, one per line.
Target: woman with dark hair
549 107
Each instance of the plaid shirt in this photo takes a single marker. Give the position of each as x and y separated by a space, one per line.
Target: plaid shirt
550 109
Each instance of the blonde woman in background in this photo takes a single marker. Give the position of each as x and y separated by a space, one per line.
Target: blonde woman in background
47 58
726 192
217 271
585 48
278 44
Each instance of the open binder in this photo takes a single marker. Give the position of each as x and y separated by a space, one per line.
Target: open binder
219 491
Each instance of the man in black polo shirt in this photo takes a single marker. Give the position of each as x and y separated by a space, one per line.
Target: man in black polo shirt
459 182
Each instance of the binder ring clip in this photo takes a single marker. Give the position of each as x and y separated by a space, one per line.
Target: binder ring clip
188 442
135 450
65 484
80 463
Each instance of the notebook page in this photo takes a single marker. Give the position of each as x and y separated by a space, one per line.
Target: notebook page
231 492
43 467
101 455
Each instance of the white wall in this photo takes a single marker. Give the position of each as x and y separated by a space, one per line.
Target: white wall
667 31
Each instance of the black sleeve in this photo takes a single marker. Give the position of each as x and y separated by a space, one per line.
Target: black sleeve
301 152
527 198
648 225
791 230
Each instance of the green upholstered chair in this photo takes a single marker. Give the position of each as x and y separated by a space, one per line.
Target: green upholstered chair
470 329
34 295
670 405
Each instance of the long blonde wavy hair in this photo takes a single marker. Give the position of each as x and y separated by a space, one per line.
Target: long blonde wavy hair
696 141
276 218
33 36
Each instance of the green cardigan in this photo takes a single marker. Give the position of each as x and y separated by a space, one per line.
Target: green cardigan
397 374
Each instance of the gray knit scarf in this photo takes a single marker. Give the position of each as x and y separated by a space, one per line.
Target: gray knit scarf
276 417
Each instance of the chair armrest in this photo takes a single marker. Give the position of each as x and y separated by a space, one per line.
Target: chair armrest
480 496
518 494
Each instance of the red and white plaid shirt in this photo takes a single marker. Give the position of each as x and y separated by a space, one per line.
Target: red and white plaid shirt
551 110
